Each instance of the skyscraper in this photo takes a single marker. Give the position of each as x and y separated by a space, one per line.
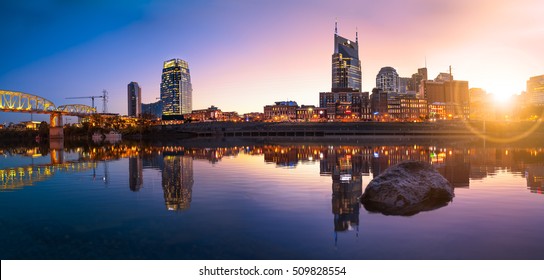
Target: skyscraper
388 79
346 66
176 89
134 96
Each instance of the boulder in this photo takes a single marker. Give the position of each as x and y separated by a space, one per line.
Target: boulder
406 189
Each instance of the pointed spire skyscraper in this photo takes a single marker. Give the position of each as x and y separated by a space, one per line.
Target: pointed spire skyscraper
346 67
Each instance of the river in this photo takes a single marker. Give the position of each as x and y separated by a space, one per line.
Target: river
264 200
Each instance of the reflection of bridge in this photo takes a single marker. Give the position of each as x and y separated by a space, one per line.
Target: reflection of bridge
20 102
18 177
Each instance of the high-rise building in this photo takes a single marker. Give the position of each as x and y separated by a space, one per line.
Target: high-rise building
403 85
535 90
388 79
134 96
346 66
345 99
415 82
176 89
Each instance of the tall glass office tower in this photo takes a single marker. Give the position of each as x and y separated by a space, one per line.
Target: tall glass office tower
176 89
134 96
346 66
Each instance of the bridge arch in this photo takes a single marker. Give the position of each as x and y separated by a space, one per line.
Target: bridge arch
76 109
16 101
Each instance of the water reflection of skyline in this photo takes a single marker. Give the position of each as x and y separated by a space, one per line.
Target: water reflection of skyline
457 164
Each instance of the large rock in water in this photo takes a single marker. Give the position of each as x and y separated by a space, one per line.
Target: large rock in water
407 189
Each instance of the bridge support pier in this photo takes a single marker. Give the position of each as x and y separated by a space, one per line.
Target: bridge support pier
56 131
56 138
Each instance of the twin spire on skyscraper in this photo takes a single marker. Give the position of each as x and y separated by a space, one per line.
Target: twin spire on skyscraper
336 30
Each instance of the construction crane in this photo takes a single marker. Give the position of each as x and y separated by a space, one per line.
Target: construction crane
104 97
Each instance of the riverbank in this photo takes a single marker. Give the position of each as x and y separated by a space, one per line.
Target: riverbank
349 130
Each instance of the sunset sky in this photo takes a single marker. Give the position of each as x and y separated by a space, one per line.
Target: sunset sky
247 54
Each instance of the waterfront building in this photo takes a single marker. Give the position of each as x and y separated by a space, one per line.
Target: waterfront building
407 108
378 104
211 114
346 66
231 117
535 90
346 111
331 100
310 113
152 109
254 117
388 79
281 111
449 99
134 99
366 108
176 89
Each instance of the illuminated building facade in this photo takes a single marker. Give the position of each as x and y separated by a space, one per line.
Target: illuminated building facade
134 99
345 99
310 113
211 114
535 90
406 108
176 89
332 100
281 111
451 97
346 66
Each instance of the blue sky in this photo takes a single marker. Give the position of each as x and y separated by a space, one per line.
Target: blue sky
246 54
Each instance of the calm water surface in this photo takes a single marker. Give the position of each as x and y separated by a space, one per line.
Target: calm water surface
263 201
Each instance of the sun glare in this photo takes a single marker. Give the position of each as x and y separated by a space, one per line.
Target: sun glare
502 93
501 99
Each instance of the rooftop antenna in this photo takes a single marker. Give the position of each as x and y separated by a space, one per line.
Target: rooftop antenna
336 26
425 61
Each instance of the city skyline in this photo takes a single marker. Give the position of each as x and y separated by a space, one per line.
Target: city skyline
242 57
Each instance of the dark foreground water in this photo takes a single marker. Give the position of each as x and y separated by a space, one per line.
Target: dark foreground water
264 201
